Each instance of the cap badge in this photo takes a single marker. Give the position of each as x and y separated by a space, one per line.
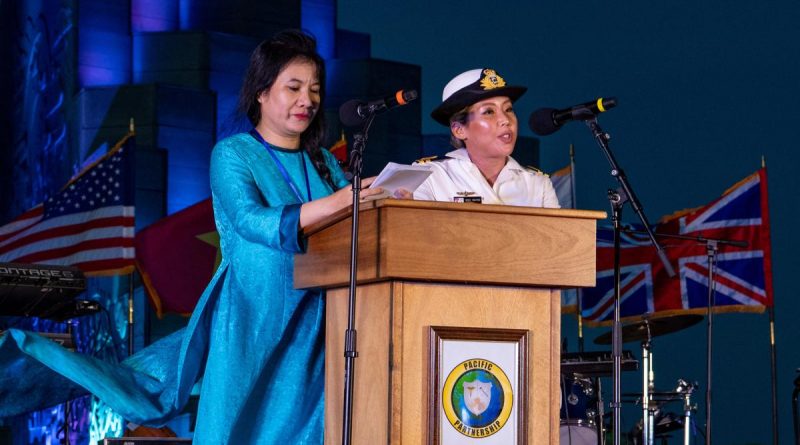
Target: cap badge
491 80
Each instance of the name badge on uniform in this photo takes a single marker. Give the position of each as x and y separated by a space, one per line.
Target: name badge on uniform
467 197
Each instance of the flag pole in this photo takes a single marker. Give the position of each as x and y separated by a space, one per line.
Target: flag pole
579 295
131 129
130 313
578 291
774 365
572 176
773 357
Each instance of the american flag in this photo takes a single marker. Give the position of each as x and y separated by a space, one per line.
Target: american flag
743 276
89 224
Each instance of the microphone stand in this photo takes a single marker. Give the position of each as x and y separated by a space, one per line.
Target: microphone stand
350 335
617 201
712 248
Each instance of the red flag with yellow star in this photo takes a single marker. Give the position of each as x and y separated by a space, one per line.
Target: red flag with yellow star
177 256
339 150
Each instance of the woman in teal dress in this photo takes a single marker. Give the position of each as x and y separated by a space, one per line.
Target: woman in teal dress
256 340
265 370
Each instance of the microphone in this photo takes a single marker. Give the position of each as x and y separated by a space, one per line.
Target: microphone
354 112
545 121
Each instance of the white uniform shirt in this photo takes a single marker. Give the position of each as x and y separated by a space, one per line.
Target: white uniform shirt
457 177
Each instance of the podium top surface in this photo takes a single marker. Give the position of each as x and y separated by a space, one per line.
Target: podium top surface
455 206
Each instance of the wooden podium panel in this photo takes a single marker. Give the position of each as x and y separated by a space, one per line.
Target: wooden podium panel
391 395
424 264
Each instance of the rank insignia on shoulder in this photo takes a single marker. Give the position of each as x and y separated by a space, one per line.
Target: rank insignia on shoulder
536 170
427 159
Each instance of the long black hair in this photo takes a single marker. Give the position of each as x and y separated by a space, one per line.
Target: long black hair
266 63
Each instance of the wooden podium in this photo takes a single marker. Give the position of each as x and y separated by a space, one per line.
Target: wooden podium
424 266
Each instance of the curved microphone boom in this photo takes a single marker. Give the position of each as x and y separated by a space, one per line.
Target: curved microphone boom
355 112
545 121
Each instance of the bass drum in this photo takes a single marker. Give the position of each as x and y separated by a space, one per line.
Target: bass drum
577 432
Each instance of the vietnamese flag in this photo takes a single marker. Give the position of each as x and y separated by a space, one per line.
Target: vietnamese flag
177 256
339 150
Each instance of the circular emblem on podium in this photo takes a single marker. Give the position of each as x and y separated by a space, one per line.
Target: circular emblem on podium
477 398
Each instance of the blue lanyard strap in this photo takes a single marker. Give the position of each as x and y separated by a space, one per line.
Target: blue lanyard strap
282 169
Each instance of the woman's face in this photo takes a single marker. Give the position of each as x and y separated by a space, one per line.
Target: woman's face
288 107
491 129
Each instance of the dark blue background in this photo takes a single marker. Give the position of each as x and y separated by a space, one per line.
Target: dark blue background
705 90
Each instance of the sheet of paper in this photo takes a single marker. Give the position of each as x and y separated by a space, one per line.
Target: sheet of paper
399 176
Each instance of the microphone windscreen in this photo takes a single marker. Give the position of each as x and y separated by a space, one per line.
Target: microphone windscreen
408 96
541 121
348 114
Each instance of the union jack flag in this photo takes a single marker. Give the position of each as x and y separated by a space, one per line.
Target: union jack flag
89 224
743 275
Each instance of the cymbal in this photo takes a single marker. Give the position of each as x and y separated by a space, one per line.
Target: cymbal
657 326
657 395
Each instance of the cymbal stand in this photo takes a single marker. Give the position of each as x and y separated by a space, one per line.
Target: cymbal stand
687 390
648 413
711 250
601 429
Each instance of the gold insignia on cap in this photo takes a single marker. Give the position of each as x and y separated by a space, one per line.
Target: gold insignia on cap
491 80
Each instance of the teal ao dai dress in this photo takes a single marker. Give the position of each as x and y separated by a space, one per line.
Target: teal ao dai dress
265 371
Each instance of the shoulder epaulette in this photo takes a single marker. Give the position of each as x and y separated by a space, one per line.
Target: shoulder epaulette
536 170
427 159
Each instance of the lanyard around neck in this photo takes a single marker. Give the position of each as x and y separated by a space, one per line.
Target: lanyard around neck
282 169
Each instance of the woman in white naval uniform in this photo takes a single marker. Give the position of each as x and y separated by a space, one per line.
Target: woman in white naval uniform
477 105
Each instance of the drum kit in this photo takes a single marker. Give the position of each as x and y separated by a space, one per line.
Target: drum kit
582 407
